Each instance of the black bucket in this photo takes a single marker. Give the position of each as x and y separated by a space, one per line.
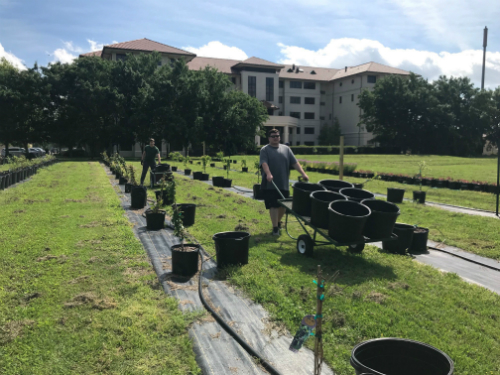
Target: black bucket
320 200
419 240
188 213
347 220
419 196
185 263
138 197
155 221
187 172
395 195
381 222
128 187
204 177
122 181
197 175
335 185
301 203
356 195
163 168
257 193
231 248
394 356
228 182
403 242
218 181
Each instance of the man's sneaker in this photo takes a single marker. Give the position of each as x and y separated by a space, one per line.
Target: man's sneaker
276 231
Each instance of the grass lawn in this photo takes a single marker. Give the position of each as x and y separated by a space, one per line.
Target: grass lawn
77 294
377 294
479 235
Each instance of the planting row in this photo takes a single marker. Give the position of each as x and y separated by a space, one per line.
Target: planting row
19 169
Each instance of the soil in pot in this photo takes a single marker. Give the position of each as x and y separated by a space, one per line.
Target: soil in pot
204 177
197 175
403 242
228 182
320 200
419 240
155 220
138 197
395 195
257 193
122 181
381 222
390 356
301 202
358 186
218 181
244 169
128 187
188 213
356 195
347 220
419 196
335 185
174 168
231 248
187 172
185 259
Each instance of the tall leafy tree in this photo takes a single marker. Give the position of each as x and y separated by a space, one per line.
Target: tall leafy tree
9 101
329 134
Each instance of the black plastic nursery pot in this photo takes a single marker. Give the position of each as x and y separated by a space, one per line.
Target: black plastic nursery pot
174 168
396 356
163 167
403 242
155 220
335 185
244 169
419 240
117 175
122 181
218 181
301 202
356 195
187 172
225 167
188 213
165 198
320 200
381 222
347 220
257 193
419 196
128 187
212 165
204 177
395 195
197 175
358 186
231 248
185 263
2 182
228 182
138 197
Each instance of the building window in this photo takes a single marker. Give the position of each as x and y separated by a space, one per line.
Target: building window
372 79
309 115
233 80
252 86
330 116
340 100
280 99
298 143
294 99
159 63
121 57
352 81
321 117
322 92
270 89
309 100
309 143
310 85
295 114
270 112
309 130
340 84
352 97
295 84
282 84
322 103
298 130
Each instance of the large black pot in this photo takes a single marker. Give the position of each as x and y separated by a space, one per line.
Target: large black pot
187 172
244 169
419 196
188 213
403 242
381 222
257 193
395 195
174 168
356 195
197 175
301 202
155 221
185 263
218 181
204 177
395 356
162 168
231 248
320 200
128 187
227 182
138 197
335 185
347 220
2 182
419 240
122 181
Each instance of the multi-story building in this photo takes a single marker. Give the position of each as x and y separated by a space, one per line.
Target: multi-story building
299 99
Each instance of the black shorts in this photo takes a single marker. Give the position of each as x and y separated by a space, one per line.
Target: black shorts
271 197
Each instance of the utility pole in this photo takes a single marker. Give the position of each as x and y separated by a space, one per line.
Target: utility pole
341 158
485 42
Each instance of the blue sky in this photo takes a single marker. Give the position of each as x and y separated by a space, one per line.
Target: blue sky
430 37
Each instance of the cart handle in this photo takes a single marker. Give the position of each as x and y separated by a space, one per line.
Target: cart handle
279 191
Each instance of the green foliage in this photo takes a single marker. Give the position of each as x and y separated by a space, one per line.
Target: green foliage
205 160
256 164
244 163
227 162
132 175
329 134
220 155
170 189
176 156
422 165
179 230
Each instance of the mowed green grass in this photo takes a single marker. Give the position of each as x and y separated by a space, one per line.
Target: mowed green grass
77 294
478 235
377 294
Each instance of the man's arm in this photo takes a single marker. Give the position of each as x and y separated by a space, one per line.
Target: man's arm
159 157
143 156
298 167
266 169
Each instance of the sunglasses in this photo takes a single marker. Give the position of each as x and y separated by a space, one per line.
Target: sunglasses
274 136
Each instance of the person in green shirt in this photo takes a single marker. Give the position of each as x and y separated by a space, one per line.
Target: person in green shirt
148 159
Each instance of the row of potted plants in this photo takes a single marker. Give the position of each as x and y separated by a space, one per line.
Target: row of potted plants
327 167
20 168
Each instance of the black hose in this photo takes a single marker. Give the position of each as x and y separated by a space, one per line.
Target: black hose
465 258
229 330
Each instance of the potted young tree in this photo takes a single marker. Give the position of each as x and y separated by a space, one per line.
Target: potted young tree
138 194
244 165
155 216
257 193
227 181
185 161
131 179
205 159
184 256
419 195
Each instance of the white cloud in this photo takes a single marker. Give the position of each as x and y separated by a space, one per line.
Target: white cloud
95 46
217 49
71 47
13 59
350 52
63 56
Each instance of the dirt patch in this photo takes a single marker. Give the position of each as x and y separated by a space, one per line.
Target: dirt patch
31 201
261 212
78 279
227 195
19 211
241 227
13 329
62 258
221 216
215 335
173 286
186 302
271 326
73 200
93 224
398 285
334 290
64 216
239 201
211 188
31 296
94 259
90 298
255 221
376 297
357 294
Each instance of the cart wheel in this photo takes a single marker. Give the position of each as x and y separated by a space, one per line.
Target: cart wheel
305 245
357 248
